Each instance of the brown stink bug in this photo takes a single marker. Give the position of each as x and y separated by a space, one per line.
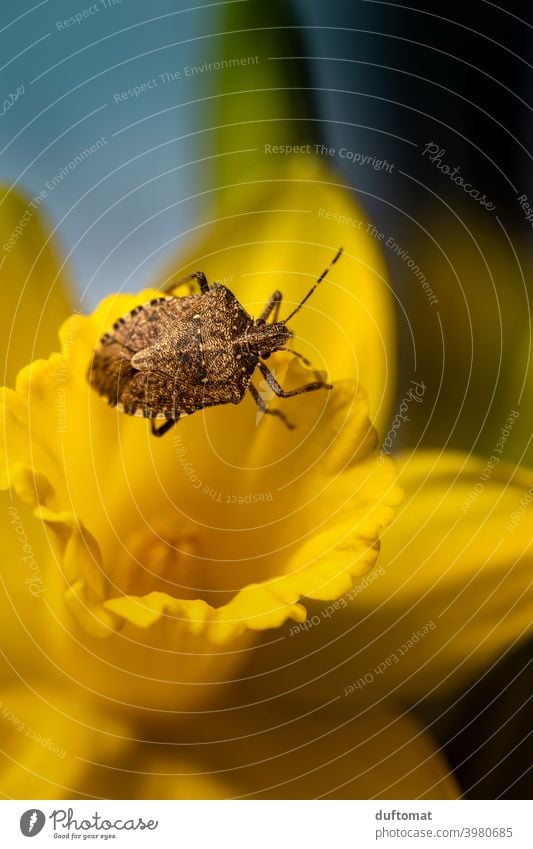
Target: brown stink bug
173 356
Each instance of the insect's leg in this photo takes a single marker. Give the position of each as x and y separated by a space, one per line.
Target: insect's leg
273 304
162 429
264 409
276 388
196 275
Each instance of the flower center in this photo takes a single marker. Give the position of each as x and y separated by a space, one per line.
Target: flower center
192 562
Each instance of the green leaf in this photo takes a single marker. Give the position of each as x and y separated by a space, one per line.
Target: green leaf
262 91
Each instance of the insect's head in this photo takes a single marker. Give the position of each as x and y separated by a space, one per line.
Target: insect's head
270 337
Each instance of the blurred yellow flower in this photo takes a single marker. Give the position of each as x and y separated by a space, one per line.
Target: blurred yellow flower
157 654
132 521
201 535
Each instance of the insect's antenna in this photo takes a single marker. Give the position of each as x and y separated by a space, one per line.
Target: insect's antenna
310 292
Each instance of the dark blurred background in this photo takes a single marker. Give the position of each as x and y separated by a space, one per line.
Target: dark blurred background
390 79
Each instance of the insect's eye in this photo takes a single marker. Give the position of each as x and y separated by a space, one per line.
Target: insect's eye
260 321
264 354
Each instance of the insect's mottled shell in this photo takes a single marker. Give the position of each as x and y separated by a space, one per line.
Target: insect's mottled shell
173 356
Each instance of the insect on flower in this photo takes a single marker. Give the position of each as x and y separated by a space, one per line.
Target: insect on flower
173 356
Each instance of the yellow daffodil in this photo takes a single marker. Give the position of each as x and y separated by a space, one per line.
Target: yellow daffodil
207 600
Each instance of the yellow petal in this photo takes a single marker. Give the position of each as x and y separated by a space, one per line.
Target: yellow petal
34 299
280 233
35 296
56 745
271 751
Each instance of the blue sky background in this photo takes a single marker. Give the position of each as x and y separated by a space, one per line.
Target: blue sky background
388 80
